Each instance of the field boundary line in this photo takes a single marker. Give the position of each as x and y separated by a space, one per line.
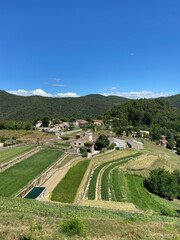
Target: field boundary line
19 159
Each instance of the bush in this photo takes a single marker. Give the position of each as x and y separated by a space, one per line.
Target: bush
117 148
65 137
73 225
178 151
112 146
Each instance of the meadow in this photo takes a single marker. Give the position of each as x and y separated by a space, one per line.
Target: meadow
9 154
23 173
66 190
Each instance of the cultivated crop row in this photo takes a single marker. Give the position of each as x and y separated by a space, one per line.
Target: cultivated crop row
105 176
66 190
93 180
23 173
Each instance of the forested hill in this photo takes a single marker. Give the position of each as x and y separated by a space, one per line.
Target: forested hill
19 108
145 114
174 100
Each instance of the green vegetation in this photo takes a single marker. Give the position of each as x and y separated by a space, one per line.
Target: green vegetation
116 186
20 108
66 190
105 176
73 225
163 183
17 177
66 160
102 142
154 115
93 180
9 154
143 199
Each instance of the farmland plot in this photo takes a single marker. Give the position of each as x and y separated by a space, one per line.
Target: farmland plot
10 154
142 162
94 177
66 190
139 196
23 173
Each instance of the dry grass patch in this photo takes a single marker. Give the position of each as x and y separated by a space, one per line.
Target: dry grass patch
27 136
119 206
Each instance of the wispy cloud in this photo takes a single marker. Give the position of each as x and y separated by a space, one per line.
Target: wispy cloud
140 94
57 79
40 92
58 85
110 89
132 54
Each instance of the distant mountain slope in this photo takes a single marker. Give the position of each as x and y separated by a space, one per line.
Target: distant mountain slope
174 100
145 113
19 108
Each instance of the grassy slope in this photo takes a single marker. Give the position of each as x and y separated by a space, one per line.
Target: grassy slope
10 154
19 215
66 190
16 177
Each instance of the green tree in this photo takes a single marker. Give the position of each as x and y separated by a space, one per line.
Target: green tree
102 142
162 183
171 144
45 121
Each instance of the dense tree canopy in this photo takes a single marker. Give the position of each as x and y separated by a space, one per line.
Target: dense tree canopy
163 183
154 115
102 142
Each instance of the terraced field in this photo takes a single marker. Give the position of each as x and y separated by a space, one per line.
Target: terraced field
94 177
10 154
142 162
23 173
66 190
130 188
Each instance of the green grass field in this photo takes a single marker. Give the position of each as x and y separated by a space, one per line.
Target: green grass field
66 190
18 176
133 190
10 154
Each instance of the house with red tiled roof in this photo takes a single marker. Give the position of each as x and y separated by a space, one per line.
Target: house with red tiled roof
98 122
163 142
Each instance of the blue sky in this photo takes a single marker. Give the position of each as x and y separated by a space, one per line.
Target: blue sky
72 48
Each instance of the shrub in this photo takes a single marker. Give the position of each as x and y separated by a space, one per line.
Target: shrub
117 148
65 137
73 225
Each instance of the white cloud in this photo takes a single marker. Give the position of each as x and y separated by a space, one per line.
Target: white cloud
110 89
140 94
40 92
68 94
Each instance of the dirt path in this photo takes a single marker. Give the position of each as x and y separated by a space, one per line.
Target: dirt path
56 177
52 182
